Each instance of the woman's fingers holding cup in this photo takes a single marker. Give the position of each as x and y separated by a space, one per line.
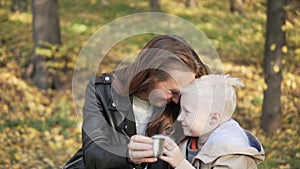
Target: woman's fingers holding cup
141 139
140 149
140 154
138 142
139 146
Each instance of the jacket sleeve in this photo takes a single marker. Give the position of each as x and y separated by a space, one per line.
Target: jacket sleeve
234 162
185 164
95 157
102 147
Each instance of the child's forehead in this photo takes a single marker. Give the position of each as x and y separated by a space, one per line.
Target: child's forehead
196 106
198 92
201 99
206 87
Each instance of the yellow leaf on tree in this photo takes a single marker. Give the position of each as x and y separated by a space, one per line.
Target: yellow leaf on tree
284 49
276 68
287 26
43 52
273 47
283 61
265 86
283 28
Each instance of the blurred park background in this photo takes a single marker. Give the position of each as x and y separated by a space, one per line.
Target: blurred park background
39 127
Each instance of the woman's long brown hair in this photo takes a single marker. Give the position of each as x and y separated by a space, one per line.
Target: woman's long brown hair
137 79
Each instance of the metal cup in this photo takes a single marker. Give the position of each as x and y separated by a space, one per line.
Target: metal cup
158 145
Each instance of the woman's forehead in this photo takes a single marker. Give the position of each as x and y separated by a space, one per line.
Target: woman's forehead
182 78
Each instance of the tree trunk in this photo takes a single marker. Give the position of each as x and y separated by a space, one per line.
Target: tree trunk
46 34
237 6
155 5
19 5
274 53
191 3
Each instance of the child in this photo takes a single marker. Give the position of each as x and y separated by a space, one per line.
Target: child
214 139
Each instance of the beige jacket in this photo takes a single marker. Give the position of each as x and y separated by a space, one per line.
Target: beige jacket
229 146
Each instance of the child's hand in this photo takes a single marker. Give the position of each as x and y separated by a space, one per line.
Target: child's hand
172 153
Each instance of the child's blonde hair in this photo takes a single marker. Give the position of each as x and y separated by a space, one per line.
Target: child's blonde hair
215 92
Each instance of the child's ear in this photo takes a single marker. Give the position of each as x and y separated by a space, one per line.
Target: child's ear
215 118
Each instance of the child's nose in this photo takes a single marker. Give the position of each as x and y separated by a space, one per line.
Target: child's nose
180 117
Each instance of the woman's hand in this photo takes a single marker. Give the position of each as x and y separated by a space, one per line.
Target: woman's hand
140 149
172 153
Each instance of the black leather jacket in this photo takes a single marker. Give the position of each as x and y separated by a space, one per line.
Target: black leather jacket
108 124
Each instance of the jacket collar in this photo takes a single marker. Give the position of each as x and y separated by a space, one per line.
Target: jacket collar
219 144
123 104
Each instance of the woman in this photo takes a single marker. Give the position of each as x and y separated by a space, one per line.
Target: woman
141 99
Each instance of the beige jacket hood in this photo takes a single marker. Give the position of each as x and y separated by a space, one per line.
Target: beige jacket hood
229 146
